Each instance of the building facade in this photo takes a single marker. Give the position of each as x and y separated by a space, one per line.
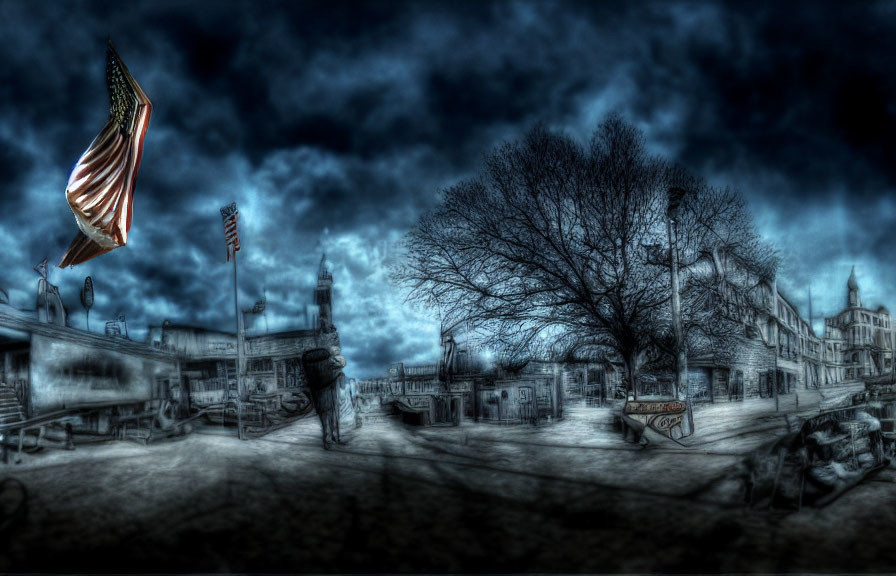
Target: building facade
466 386
51 367
779 351
858 342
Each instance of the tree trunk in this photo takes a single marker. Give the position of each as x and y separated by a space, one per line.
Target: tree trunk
631 367
717 264
476 400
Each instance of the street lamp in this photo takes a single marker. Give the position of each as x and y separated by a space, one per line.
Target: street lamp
675 196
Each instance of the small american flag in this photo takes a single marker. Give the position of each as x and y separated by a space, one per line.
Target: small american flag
42 269
259 307
230 215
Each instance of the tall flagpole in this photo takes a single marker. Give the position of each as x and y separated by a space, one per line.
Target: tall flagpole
239 331
231 234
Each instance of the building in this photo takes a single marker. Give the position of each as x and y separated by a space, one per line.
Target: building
780 352
858 342
418 396
465 385
53 368
271 363
764 350
271 379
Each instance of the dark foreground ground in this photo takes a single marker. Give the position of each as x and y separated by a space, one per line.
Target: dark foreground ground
568 497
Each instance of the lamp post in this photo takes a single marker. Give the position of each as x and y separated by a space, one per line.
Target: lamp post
681 364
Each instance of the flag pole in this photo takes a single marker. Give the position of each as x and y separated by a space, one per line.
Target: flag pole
47 294
239 332
231 235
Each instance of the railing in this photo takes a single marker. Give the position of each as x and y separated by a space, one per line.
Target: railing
424 370
38 422
788 354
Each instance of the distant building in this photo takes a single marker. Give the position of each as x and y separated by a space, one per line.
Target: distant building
464 386
272 363
858 341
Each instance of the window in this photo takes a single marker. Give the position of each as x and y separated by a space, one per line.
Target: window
261 365
764 391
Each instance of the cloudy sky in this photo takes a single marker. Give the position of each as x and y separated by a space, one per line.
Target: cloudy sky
333 126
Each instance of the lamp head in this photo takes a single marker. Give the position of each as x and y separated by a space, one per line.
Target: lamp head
675 196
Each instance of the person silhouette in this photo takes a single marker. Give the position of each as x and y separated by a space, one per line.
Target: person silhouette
323 372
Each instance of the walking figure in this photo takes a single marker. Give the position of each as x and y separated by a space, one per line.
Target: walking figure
323 371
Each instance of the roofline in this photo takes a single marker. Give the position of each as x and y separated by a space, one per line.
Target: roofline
78 336
286 333
796 310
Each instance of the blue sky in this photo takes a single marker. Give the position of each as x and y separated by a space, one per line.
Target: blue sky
335 125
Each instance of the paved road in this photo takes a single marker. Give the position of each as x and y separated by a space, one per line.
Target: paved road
566 497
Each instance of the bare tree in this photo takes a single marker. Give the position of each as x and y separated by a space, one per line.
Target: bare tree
555 246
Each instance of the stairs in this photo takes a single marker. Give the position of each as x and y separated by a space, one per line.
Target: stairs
10 408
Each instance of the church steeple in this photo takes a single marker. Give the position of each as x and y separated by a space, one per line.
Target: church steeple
854 300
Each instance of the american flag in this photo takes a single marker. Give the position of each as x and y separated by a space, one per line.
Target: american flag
259 307
230 215
42 269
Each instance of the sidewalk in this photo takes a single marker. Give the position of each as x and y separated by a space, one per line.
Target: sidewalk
745 425
730 428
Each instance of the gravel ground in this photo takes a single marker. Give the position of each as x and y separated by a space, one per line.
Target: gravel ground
566 497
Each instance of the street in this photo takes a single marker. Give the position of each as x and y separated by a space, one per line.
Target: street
570 496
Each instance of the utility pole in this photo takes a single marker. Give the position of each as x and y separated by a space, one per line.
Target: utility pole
681 363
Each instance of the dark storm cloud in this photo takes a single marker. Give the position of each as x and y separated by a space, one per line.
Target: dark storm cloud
804 90
795 107
334 127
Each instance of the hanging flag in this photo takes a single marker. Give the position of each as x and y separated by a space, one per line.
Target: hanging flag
42 269
259 306
231 236
87 298
100 189
87 294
